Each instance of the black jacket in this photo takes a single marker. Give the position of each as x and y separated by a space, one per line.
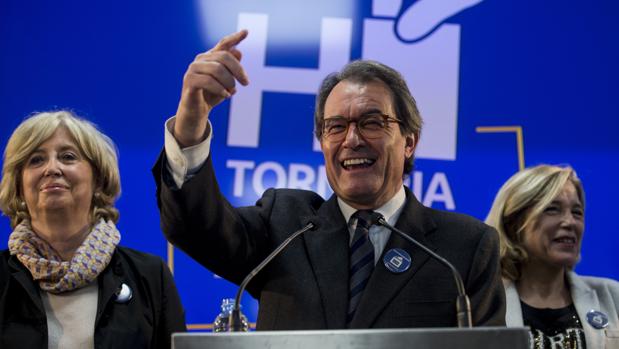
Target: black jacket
146 321
306 287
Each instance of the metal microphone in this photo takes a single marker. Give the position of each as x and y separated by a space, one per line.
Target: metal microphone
463 306
234 323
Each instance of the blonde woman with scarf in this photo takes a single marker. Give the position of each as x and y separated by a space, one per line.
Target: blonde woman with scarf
64 281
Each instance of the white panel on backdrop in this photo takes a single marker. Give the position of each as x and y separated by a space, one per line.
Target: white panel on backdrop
430 66
431 69
245 108
424 16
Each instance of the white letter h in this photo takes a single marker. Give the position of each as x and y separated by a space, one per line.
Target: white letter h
246 105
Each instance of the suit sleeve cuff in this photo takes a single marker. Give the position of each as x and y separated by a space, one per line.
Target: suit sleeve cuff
182 164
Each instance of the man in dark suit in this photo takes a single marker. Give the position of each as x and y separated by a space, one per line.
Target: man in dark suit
346 273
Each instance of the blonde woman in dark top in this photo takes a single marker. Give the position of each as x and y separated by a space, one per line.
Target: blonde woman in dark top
64 281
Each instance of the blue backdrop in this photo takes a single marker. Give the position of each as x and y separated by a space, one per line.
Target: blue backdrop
547 68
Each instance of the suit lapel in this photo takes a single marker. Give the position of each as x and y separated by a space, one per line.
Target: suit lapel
513 316
110 281
384 285
586 299
328 253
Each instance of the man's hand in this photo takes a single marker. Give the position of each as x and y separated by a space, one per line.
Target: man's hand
210 79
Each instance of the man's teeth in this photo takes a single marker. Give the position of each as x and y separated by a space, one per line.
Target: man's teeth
355 162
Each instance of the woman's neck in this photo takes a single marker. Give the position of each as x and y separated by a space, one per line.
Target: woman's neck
64 234
543 286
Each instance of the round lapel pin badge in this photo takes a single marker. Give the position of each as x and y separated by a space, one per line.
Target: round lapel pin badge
397 260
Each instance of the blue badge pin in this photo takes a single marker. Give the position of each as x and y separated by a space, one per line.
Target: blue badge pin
124 294
597 319
397 260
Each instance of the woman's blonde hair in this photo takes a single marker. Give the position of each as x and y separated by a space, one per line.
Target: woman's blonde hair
97 148
519 203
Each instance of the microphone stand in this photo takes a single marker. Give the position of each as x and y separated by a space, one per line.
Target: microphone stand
463 305
234 323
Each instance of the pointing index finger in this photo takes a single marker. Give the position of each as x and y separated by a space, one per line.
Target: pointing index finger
231 40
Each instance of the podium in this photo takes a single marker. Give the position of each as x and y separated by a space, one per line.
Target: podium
430 338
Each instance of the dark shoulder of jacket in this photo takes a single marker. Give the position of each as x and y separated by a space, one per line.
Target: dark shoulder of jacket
4 266
464 223
6 271
141 262
598 282
306 197
4 256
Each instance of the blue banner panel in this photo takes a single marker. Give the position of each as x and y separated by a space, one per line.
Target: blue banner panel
500 84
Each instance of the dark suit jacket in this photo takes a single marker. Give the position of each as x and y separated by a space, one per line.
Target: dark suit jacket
306 287
146 321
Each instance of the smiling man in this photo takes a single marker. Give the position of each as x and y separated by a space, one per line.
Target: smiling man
367 147
347 273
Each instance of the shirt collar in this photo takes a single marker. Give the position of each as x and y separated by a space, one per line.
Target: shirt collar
390 210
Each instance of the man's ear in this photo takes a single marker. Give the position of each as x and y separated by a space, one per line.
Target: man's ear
410 145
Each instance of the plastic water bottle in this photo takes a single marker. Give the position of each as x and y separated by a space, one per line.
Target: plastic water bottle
221 321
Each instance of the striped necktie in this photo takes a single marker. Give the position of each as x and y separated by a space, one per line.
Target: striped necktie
361 261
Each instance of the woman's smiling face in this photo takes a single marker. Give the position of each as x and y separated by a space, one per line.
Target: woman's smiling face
56 177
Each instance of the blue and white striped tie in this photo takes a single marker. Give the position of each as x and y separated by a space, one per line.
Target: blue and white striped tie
361 261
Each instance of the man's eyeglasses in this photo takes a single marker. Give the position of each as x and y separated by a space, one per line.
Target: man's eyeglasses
370 126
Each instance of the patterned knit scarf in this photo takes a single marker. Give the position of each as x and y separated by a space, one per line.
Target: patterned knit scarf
55 275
